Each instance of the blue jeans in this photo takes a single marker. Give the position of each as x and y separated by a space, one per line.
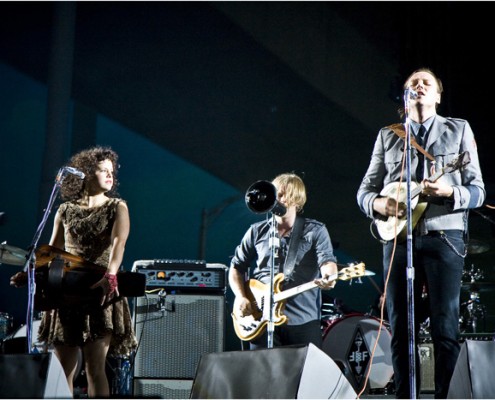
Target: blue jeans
438 265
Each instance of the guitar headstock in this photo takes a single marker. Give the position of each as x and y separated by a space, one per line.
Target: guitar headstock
353 271
459 162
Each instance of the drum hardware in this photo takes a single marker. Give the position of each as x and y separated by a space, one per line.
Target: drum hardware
329 313
473 311
424 328
472 275
6 324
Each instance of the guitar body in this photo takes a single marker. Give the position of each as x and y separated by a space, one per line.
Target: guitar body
252 326
387 228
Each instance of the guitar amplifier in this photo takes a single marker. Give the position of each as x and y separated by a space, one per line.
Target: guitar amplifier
174 330
182 275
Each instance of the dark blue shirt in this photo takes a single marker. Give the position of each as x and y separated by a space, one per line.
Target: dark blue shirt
314 249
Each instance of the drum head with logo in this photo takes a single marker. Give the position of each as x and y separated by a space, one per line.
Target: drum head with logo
350 341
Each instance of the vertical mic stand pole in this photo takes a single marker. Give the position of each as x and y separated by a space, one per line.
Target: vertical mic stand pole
274 246
30 264
410 267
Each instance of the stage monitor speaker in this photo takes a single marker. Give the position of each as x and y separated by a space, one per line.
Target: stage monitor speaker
304 372
174 331
473 373
28 376
163 388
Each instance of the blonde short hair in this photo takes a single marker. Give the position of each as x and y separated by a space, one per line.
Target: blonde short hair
293 187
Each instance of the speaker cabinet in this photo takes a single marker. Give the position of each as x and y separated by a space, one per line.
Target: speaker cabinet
304 372
427 367
174 331
163 388
28 376
473 373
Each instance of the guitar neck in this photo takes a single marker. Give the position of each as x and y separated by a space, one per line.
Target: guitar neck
293 291
299 289
418 189
344 274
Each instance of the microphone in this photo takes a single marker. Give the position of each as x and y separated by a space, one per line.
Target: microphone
411 93
75 171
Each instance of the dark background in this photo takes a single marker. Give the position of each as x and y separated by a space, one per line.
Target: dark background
201 99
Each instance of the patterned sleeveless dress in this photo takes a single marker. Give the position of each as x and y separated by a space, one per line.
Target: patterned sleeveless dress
88 235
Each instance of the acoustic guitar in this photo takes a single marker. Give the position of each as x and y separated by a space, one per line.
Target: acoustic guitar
391 227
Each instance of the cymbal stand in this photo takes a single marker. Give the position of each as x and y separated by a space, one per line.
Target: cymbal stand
475 310
30 264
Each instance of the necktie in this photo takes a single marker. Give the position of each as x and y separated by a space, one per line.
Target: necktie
420 138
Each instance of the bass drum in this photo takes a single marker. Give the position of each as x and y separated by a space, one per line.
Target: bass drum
21 336
350 340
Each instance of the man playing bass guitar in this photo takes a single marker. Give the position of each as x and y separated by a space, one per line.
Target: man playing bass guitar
314 262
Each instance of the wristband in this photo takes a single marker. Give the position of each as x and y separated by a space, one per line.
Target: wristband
112 281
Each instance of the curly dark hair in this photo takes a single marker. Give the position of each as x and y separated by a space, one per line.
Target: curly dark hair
87 162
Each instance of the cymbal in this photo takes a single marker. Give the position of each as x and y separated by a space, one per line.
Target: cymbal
477 247
478 286
12 255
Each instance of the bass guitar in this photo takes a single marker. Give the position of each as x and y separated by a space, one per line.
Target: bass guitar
391 227
251 326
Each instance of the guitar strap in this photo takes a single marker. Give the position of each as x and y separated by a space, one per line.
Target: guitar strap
399 130
295 237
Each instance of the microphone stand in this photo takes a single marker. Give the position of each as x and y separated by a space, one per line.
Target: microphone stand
261 197
410 267
30 264
274 246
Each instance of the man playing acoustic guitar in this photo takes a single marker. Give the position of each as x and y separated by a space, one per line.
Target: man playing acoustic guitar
314 262
439 235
